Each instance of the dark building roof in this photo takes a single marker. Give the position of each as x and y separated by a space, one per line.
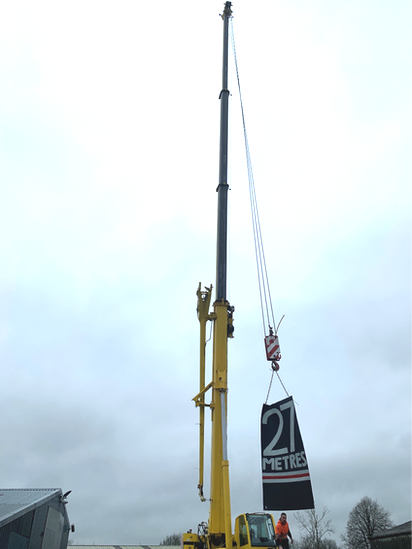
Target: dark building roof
15 502
400 530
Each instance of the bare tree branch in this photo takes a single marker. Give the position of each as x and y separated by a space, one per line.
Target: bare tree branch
315 526
172 539
365 519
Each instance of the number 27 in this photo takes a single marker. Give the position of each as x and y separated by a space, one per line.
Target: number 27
269 451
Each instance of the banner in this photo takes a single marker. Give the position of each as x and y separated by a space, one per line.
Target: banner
285 472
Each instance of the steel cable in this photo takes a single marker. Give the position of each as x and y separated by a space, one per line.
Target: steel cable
268 318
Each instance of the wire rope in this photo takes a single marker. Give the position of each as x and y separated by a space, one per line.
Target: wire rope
266 306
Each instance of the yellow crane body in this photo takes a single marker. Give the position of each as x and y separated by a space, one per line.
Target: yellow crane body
251 529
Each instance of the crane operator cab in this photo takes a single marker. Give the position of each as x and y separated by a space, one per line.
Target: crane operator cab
255 530
251 530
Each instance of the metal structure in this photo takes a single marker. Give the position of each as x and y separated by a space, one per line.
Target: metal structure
33 519
398 537
217 533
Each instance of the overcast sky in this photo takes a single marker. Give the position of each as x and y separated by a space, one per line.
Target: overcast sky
109 121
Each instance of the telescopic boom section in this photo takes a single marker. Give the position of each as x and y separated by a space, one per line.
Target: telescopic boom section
220 527
221 263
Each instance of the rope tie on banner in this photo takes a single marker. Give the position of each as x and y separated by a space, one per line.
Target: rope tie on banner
270 384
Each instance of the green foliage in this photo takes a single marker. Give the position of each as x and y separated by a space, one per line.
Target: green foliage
366 519
173 539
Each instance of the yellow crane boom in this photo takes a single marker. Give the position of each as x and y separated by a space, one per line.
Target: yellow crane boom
218 531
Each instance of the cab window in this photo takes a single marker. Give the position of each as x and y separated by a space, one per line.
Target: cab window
261 530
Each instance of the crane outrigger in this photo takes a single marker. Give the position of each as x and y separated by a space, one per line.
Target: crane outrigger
218 531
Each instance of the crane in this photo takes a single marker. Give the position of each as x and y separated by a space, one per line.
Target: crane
251 529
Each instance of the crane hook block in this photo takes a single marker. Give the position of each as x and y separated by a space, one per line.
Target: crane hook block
272 347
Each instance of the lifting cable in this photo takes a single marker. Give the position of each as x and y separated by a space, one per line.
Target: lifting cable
268 318
264 290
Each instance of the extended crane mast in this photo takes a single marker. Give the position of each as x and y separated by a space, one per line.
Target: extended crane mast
218 532
220 515
221 261
219 527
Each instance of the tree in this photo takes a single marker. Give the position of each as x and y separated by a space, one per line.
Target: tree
307 543
365 519
173 539
315 528
329 544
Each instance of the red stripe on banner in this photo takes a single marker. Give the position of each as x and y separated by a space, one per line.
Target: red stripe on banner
297 475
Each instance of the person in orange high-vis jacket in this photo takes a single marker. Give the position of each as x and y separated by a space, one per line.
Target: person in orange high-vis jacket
283 532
